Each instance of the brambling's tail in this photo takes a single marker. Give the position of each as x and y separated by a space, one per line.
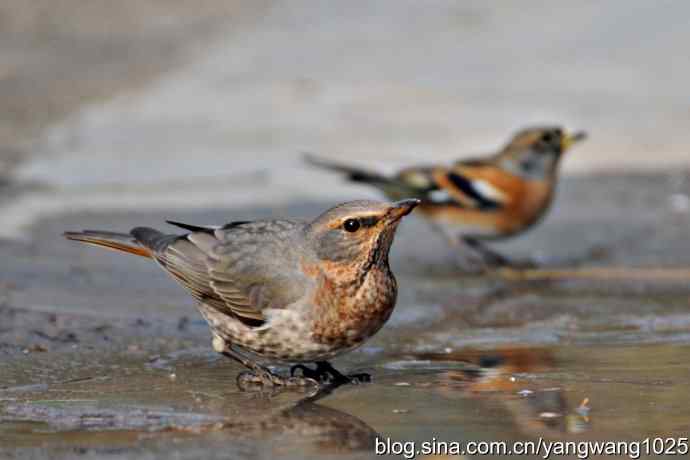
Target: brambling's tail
410 183
122 242
352 173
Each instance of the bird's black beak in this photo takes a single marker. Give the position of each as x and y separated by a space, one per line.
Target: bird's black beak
400 209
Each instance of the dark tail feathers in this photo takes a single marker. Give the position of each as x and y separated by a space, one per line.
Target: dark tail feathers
351 172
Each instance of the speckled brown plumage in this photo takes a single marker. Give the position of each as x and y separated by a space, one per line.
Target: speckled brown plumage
285 290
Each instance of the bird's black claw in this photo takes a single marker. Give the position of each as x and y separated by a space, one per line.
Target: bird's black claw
356 379
300 367
326 374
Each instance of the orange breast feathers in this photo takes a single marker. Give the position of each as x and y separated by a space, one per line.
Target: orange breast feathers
519 202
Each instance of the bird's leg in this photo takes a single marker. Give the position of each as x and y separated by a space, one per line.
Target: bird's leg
326 373
466 258
490 258
259 376
493 259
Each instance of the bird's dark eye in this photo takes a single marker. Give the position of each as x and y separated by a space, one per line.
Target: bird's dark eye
547 138
351 225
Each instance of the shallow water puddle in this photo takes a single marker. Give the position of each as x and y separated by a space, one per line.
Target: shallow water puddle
558 393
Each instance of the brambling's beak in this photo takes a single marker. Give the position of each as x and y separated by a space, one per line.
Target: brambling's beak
400 209
569 139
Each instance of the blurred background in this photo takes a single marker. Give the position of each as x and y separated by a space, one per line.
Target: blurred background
122 113
166 95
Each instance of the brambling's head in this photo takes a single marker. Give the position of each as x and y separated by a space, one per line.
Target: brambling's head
534 153
357 235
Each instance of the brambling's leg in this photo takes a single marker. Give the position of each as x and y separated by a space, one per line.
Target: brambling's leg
326 373
467 260
259 377
489 257
493 259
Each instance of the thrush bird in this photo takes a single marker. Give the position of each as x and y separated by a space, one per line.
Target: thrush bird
285 290
475 200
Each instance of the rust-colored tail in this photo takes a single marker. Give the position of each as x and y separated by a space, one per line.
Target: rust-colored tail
111 240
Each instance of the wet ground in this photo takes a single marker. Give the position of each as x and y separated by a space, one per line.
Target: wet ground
102 356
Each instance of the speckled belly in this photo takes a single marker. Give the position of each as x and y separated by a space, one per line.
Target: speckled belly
290 336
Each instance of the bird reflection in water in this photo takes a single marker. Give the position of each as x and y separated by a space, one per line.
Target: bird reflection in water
314 427
537 406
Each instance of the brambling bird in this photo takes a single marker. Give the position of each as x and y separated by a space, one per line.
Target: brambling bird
474 200
292 291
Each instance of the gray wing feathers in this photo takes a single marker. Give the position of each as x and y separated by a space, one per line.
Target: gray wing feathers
255 267
240 271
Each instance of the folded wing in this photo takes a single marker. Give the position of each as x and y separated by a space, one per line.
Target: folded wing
474 186
234 269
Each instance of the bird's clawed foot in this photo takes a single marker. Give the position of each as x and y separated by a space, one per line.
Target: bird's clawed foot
260 378
263 379
327 374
